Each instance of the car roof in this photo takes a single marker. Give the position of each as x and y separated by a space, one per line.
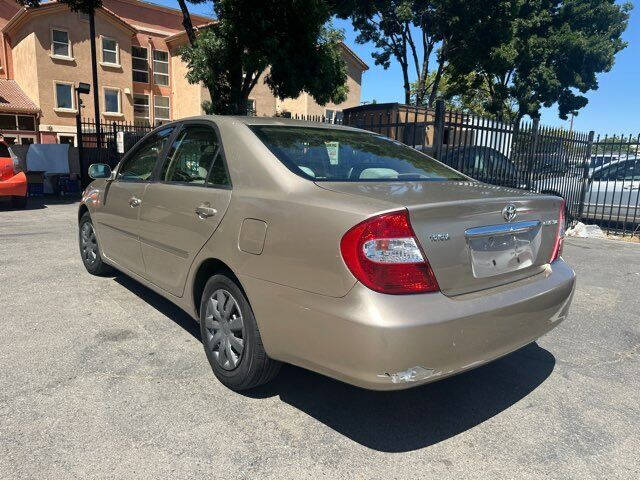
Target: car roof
279 121
615 162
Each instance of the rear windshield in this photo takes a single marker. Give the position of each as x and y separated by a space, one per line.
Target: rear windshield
346 156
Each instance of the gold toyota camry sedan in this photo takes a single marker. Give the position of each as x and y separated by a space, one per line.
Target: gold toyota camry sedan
332 248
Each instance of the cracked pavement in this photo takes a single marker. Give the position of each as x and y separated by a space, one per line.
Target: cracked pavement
102 378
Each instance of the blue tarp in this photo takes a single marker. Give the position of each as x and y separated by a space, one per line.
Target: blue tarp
49 158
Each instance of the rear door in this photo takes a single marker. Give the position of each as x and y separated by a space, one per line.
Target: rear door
117 219
183 208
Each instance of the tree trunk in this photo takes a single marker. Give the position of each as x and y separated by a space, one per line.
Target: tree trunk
407 84
186 22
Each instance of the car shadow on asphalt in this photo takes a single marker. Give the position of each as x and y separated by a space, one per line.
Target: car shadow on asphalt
166 307
37 203
394 421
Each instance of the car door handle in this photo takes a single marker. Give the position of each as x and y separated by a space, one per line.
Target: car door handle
134 202
205 210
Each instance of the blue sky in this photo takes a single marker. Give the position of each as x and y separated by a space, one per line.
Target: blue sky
613 108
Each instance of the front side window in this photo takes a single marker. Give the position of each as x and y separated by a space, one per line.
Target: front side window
191 156
349 156
161 109
140 64
110 51
139 167
160 67
60 45
112 101
64 96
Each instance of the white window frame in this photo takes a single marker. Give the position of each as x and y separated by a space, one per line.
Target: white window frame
104 98
155 117
69 55
64 134
55 96
153 60
149 106
138 70
28 136
117 52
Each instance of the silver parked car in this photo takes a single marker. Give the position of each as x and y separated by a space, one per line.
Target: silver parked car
328 247
611 191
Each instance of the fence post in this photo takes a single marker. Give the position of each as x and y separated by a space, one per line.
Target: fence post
534 148
84 180
585 174
438 128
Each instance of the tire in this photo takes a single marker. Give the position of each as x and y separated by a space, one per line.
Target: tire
222 333
89 250
19 201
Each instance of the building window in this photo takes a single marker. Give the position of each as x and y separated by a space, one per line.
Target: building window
333 116
112 101
139 64
64 96
251 106
141 107
60 45
8 122
27 140
110 53
160 67
160 110
67 139
26 122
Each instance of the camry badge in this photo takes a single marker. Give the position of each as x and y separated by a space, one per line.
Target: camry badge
509 212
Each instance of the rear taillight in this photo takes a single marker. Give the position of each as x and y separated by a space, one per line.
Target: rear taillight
559 240
384 254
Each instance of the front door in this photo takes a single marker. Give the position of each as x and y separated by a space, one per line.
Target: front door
117 220
181 211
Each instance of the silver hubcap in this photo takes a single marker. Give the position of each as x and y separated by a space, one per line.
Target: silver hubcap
88 243
224 329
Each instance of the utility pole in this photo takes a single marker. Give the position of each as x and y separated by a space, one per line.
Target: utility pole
94 71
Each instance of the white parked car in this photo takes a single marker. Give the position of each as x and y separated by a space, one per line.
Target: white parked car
612 191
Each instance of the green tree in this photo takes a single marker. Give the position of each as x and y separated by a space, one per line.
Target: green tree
287 40
419 33
551 53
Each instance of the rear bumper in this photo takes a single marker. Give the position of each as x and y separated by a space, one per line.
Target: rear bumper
14 186
367 338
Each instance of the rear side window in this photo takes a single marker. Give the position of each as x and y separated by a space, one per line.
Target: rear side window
195 158
4 150
349 156
139 167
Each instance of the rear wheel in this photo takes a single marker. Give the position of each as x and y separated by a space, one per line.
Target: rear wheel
231 338
89 248
19 201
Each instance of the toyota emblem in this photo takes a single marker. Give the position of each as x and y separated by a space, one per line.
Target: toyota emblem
509 212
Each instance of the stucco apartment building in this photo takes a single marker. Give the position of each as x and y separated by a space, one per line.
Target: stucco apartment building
45 52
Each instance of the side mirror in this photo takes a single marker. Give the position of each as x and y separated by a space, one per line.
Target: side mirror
99 171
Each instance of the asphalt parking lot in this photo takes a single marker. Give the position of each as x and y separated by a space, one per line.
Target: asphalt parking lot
103 378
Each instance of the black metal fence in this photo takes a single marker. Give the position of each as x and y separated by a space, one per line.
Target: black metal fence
599 177
106 146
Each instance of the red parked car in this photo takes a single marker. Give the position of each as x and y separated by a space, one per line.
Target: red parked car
13 181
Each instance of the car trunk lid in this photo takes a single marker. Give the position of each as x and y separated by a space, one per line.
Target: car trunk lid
463 231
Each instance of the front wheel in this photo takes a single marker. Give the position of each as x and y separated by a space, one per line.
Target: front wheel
89 248
231 338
